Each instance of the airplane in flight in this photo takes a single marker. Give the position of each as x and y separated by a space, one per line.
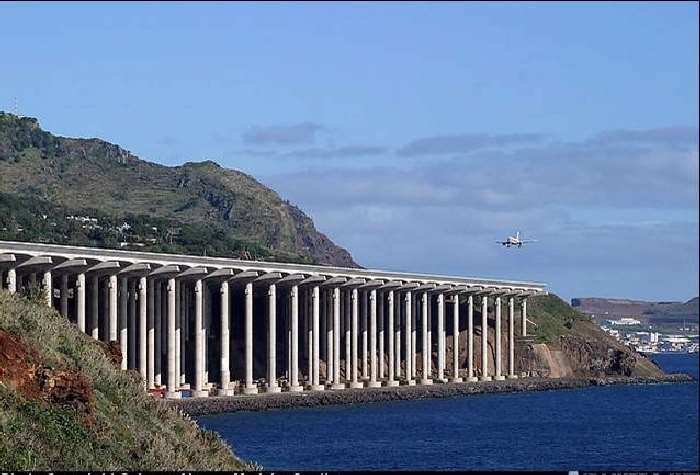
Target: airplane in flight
515 241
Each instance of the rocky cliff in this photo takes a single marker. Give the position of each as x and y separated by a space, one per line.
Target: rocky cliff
561 342
567 343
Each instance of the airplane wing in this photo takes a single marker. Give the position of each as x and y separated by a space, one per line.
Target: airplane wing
528 240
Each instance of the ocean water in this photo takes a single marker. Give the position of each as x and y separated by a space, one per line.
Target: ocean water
643 427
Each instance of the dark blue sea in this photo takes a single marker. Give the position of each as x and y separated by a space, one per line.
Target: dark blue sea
597 428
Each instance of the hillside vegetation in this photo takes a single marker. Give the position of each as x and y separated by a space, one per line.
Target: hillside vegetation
196 208
65 405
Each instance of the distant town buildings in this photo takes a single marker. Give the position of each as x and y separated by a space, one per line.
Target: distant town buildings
624 321
653 342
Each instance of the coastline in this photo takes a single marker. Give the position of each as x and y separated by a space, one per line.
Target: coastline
262 402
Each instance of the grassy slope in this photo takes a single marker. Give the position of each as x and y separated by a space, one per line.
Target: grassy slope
131 430
553 317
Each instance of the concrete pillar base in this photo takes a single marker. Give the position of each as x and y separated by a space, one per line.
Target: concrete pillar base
185 386
204 393
273 389
173 395
356 385
456 380
426 382
295 389
499 378
410 382
391 383
374 384
337 386
485 378
250 390
440 380
472 379
317 387
224 392
512 376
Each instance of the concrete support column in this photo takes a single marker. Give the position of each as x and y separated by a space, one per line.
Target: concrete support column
80 301
348 339
397 336
497 370
105 305
206 325
308 307
355 322
455 340
328 318
391 380
123 324
523 315
322 314
12 280
143 329
336 340
380 331
363 316
179 292
151 335
225 373
316 303
250 387
425 376
64 295
199 390
441 337
484 339
131 323
112 307
272 386
410 339
172 391
470 339
511 338
414 338
94 307
48 287
430 337
373 383
158 333
294 365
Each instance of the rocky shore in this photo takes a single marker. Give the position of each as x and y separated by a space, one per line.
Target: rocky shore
261 402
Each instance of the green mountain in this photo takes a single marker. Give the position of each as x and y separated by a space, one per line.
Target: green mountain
91 192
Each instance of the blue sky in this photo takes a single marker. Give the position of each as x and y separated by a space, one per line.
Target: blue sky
414 134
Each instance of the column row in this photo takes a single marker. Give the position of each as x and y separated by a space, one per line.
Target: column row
269 332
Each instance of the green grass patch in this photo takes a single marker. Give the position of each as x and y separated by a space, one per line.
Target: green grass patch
130 430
